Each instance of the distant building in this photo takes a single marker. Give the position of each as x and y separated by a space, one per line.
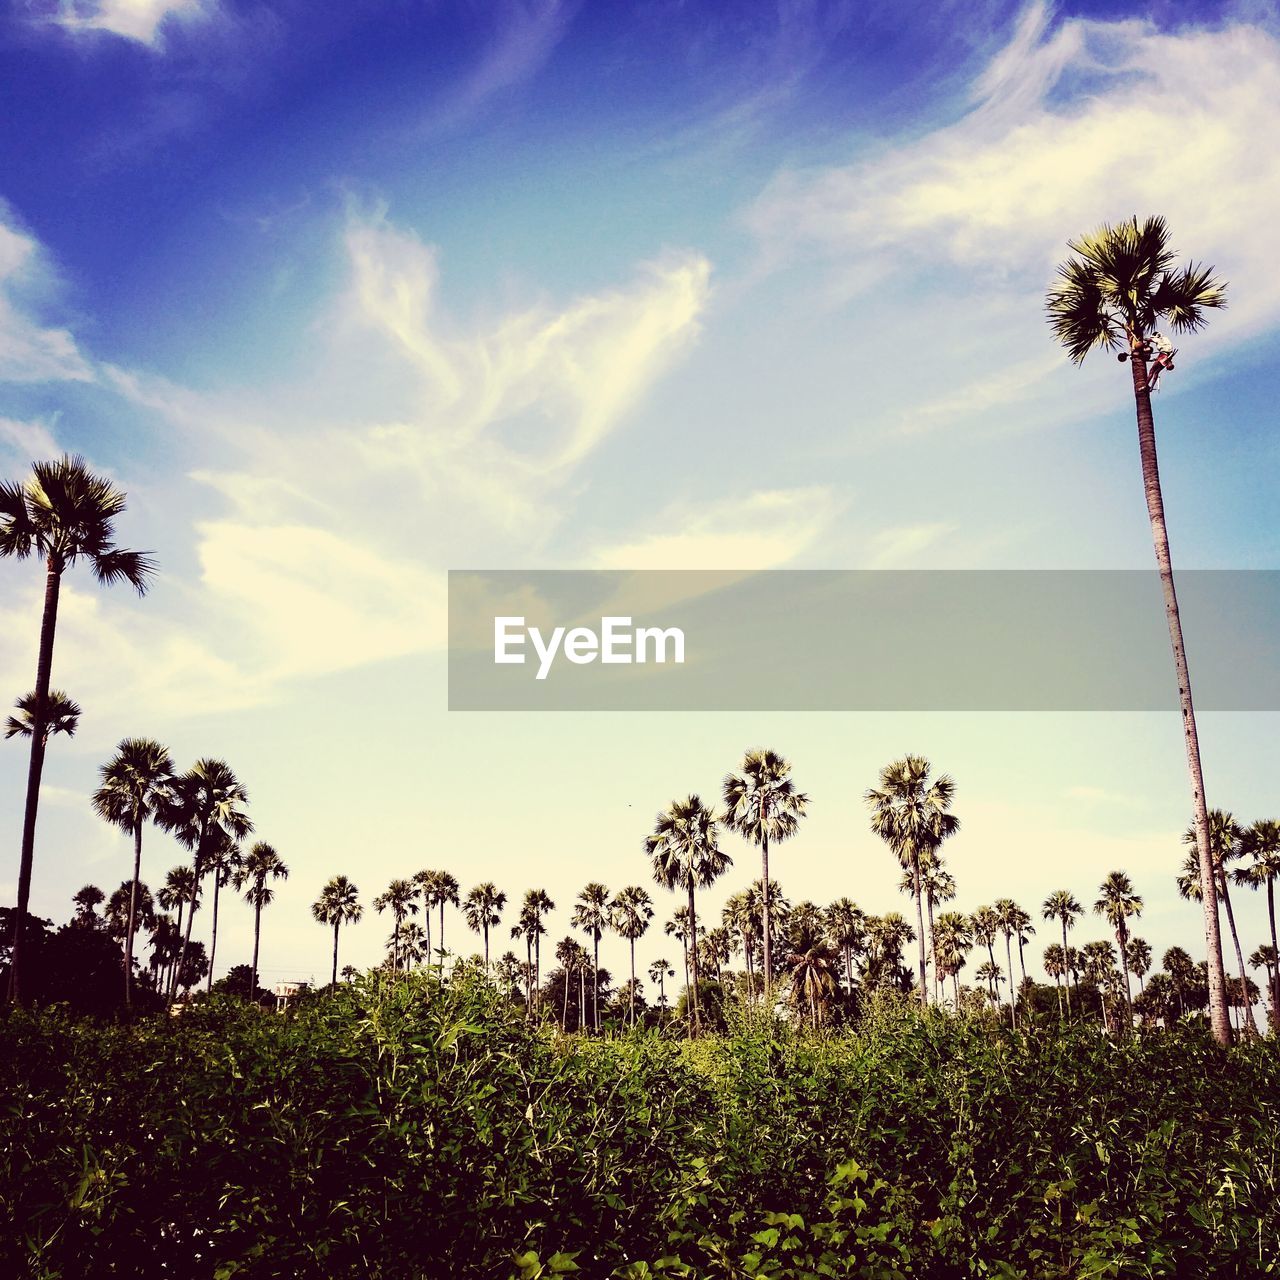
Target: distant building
287 991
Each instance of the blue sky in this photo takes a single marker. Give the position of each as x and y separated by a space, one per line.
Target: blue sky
349 295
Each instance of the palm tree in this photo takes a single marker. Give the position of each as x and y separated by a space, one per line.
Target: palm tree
886 937
1261 841
178 890
1225 845
685 851
1010 918
1062 905
678 928
61 715
762 805
87 901
1055 965
526 927
986 925
659 971
134 785
1137 956
952 938
204 810
399 899
539 906
993 976
845 925
1265 957
1181 970
122 923
411 943
482 910
61 513
631 911
939 885
1119 286
338 904
591 915
568 953
813 968
260 864
1118 902
741 917
1099 962
221 864
911 815
441 890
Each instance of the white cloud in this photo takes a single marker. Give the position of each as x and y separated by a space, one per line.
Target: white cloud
30 352
22 443
1070 126
140 20
763 530
892 548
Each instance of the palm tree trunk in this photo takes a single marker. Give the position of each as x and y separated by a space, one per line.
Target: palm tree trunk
333 982
695 1013
1122 937
537 964
39 721
1013 1001
486 947
257 930
442 940
1246 1003
133 913
595 982
1275 951
933 949
1218 1016
213 938
633 981
1066 962
919 897
197 870
764 896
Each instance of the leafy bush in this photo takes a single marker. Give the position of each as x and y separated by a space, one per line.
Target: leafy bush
408 1129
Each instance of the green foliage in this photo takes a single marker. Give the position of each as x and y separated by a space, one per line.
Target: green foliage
404 1128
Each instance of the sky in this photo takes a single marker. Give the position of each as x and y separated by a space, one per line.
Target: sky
349 296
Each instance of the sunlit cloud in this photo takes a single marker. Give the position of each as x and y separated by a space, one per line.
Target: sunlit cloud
30 351
143 21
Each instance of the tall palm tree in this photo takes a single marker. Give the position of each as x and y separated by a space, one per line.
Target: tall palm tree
1120 283
410 941
631 911
846 923
990 973
61 715
659 971
539 905
813 968
134 784
569 953
1063 906
1182 972
261 864
591 915
61 513
442 889
1137 957
179 889
338 904
762 804
1225 845
526 927
886 936
1266 957
87 901
1055 965
952 939
398 899
685 851
678 928
482 910
222 862
986 926
939 885
120 920
1118 902
912 816
741 917
1010 918
205 811
1261 842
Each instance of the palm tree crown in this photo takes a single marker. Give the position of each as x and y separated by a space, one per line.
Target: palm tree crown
61 715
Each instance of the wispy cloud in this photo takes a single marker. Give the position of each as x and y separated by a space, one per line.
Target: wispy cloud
143 21
1068 125
29 350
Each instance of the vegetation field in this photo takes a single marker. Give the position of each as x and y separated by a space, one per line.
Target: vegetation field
399 1127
